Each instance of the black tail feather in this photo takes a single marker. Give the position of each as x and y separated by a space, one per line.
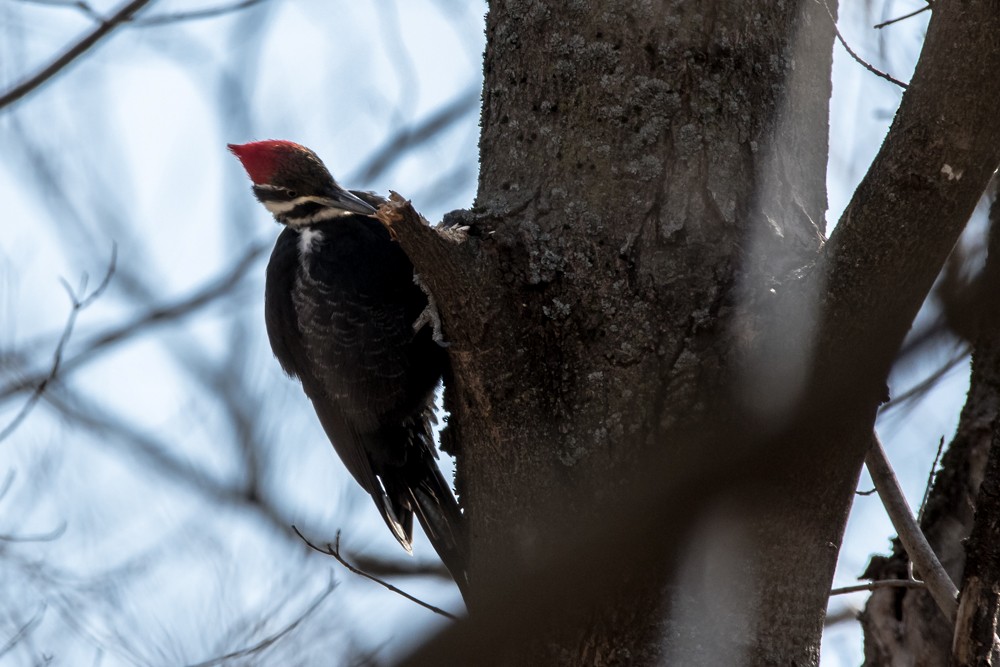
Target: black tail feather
419 488
441 519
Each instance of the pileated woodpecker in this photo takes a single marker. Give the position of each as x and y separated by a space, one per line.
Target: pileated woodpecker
344 316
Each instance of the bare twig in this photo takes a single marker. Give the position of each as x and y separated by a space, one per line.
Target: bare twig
79 5
930 479
60 63
879 26
88 10
268 641
78 304
156 454
195 15
8 481
409 137
928 382
859 59
939 584
23 631
334 550
880 583
214 289
53 534
399 567
842 615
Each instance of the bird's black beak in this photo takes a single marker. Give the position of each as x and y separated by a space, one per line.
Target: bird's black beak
345 200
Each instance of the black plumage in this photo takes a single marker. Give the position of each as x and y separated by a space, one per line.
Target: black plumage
341 307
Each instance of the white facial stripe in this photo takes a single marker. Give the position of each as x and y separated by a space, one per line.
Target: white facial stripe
319 216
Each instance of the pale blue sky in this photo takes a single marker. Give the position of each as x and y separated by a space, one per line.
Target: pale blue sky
138 129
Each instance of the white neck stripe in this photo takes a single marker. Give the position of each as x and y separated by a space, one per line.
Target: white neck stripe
319 216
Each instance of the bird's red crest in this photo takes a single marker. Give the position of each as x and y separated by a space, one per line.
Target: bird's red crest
261 158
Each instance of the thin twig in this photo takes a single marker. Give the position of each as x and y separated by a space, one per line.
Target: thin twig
879 26
79 5
859 59
930 480
8 481
939 584
23 631
78 304
155 453
843 615
334 550
928 382
166 313
88 10
880 583
36 80
408 138
194 15
866 493
268 641
54 534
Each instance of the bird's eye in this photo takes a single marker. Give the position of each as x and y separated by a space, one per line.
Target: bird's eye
291 194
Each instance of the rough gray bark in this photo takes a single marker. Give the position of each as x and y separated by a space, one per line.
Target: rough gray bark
630 331
633 160
904 627
975 641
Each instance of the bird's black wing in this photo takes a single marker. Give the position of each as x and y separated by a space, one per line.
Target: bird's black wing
355 304
279 310
283 309
351 296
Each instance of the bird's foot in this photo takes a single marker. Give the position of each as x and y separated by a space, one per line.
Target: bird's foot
429 315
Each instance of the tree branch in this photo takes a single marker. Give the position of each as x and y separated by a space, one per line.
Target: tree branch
407 138
78 304
334 550
442 258
62 61
194 15
975 640
23 631
921 189
169 312
864 63
879 26
938 582
881 583
88 10
53 534
268 641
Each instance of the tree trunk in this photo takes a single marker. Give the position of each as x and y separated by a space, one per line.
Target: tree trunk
904 626
637 164
642 369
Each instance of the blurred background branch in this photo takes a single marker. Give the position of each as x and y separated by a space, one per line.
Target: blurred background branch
72 52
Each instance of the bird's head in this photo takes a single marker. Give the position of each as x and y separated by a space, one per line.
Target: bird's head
294 184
